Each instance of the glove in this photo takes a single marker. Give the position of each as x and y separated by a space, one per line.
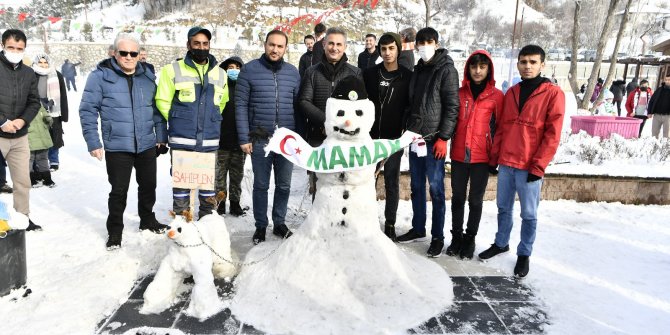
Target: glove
48 120
440 149
493 170
50 104
161 149
531 178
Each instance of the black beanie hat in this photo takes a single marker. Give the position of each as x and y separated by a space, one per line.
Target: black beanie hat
396 39
350 88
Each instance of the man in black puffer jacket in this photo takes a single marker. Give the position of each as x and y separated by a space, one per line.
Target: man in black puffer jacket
317 85
433 94
19 104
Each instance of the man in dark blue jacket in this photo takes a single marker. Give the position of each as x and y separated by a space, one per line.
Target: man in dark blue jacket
120 92
266 90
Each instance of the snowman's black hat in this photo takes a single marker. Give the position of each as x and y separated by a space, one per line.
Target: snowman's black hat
350 88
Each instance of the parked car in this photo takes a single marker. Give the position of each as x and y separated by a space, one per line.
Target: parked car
555 54
457 52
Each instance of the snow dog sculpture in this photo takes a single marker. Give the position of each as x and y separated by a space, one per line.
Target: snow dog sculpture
196 249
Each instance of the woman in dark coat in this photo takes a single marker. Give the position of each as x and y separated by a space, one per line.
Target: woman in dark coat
53 95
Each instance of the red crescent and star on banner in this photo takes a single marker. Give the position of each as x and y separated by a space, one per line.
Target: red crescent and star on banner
282 144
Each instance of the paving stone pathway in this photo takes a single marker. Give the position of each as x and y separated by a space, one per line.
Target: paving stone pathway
482 305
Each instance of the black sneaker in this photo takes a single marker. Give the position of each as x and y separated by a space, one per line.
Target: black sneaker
113 242
412 236
6 189
53 167
259 236
454 247
522 266
435 249
154 227
389 231
32 226
282 231
467 246
493 251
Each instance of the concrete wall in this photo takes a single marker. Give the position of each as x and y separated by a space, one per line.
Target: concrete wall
648 191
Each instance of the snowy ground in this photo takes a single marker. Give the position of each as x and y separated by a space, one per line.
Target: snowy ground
599 268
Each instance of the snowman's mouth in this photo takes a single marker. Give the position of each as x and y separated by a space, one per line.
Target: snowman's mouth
345 132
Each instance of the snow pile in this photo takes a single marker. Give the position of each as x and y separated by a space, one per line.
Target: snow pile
339 274
583 148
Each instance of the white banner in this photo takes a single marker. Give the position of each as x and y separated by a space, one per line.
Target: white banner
335 158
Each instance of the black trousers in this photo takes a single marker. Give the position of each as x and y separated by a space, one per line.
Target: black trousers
644 120
119 168
391 186
478 176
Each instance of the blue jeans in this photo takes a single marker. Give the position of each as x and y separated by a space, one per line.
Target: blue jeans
510 182
53 156
262 167
421 168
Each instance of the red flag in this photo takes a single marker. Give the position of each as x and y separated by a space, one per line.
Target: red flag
54 19
2 11
22 16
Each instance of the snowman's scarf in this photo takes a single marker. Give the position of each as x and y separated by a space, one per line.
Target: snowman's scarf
344 156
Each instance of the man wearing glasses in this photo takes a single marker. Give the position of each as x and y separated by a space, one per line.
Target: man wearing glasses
120 92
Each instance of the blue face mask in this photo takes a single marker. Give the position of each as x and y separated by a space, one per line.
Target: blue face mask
233 73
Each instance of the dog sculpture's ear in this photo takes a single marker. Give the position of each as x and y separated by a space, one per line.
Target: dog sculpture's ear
188 216
172 214
220 196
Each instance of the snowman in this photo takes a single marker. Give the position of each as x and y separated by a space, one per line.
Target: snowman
338 273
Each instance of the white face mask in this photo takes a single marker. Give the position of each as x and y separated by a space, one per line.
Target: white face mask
14 57
426 52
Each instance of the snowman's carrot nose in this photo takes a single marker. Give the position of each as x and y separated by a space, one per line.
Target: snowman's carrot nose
347 123
171 234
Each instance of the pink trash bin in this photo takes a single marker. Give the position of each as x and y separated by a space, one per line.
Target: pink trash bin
603 126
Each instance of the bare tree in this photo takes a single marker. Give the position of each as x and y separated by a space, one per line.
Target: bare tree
607 28
610 73
572 75
433 7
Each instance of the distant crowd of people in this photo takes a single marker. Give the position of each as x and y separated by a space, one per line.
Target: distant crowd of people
130 115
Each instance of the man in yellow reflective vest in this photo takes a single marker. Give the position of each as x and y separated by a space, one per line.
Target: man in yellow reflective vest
191 95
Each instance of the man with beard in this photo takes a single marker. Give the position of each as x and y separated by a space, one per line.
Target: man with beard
192 93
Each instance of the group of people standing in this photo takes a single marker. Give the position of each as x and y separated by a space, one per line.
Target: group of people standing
33 106
233 108
426 99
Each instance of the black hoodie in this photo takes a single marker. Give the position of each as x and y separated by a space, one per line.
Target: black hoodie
391 105
19 98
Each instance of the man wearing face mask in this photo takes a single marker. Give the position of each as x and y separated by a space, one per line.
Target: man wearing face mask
191 95
230 157
19 104
433 94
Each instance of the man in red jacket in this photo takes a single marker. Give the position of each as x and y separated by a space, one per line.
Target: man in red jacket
527 136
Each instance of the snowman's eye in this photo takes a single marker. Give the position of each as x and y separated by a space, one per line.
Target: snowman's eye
179 230
340 113
359 112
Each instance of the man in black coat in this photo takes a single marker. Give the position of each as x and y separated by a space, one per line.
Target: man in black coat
319 47
659 108
618 88
317 85
406 58
387 85
434 111
306 58
368 57
19 104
